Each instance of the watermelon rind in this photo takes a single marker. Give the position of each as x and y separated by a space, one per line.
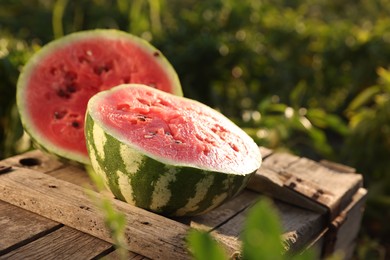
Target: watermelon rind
36 135
158 184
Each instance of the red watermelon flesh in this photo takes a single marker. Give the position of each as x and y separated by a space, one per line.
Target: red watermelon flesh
174 130
54 89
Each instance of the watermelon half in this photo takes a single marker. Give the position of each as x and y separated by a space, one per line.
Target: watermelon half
55 85
166 153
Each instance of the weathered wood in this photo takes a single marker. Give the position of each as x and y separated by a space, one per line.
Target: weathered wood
300 227
73 174
78 176
338 167
35 160
272 184
271 179
65 242
146 233
225 220
209 221
265 152
131 256
306 183
344 229
59 195
279 161
338 188
19 227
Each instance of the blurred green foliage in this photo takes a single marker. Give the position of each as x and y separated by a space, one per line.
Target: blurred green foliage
13 54
311 77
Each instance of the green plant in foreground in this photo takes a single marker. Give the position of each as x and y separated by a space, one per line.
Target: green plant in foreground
13 54
260 238
203 246
115 221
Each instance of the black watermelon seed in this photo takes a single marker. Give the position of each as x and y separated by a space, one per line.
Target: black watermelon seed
76 124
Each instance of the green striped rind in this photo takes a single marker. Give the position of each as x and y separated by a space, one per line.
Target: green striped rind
39 138
155 186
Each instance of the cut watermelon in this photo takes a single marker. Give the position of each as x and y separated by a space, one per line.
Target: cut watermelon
165 153
57 82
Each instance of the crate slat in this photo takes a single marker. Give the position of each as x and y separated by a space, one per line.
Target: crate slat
146 233
306 183
310 198
19 226
65 242
35 160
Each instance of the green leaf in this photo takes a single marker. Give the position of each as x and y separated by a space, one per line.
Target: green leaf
336 123
308 254
262 230
384 75
204 247
58 15
321 119
298 93
276 108
361 116
96 179
363 98
114 220
319 141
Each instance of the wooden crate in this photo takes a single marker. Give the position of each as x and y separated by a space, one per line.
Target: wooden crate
45 212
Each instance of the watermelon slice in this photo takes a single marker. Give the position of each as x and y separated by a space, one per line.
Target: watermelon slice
55 85
166 153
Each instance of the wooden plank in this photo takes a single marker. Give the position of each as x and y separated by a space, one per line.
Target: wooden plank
338 188
265 152
45 163
64 243
73 174
19 227
271 179
209 221
35 160
306 183
146 233
225 223
279 161
344 229
78 176
338 167
272 184
300 227
131 256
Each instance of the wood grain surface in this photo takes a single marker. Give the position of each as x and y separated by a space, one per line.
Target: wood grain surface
42 199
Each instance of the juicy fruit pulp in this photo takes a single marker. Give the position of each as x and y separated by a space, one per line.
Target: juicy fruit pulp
177 130
165 153
56 84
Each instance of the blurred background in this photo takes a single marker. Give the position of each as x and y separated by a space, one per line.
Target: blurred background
308 77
